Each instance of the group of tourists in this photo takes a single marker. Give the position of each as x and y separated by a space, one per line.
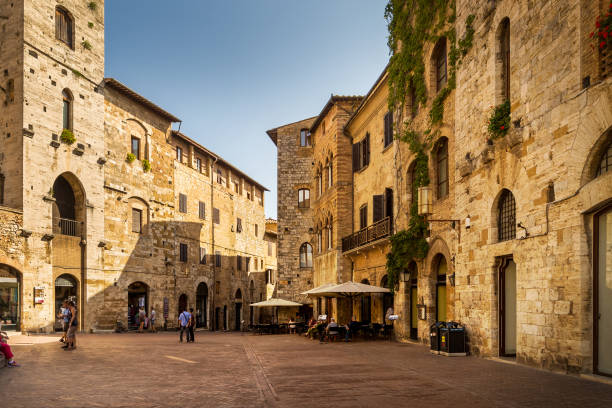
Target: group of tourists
70 323
187 325
325 328
138 316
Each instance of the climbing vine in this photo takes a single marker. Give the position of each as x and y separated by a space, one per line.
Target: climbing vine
412 24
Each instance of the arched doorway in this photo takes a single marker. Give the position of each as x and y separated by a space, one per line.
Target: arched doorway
366 305
238 307
10 298
138 296
414 314
66 288
387 300
202 305
182 304
441 270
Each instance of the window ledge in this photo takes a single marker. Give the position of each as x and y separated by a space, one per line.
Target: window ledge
384 150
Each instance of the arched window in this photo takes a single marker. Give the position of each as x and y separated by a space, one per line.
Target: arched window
306 255
605 164
319 181
319 240
67 109
442 168
504 56
439 64
64 27
506 221
303 198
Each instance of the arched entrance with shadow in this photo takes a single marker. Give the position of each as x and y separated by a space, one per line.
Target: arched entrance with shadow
138 296
66 288
414 314
202 305
182 304
10 298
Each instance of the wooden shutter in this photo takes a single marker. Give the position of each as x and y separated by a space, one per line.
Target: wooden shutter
388 202
365 150
356 155
216 215
378 207
239 262
202 210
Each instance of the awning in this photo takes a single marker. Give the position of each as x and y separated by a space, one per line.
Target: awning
347 289
275 302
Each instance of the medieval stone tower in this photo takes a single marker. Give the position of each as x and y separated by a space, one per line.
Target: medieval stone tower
51 155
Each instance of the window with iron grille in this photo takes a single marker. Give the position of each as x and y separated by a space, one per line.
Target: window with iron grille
605 165
183 252
238 262
64 27
202 210
388 128
440 64
182 203
136 220
218 259
506 216
216 216
303 198
136 147
442 168
203 255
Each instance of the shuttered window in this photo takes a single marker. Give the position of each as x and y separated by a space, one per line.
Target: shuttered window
388 128
203 256
64 27
363 216
136 220
216 216
202 210
183 252
361 153
182 203
379 208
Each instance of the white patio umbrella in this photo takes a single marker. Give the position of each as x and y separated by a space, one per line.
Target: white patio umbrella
276 303
318 289
348 290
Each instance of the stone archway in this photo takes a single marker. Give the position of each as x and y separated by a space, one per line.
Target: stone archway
66 288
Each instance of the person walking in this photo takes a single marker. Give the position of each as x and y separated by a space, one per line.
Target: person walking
64 316
184 319
72 327
190 336
142 317
152 320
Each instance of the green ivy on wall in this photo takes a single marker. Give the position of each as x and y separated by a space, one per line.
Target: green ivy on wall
412 25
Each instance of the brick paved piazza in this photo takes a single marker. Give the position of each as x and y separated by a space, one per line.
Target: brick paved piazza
242 370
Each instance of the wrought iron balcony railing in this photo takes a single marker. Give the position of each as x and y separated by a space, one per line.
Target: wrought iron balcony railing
374 232
66 226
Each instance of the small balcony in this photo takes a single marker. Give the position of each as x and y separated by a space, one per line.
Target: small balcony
375 232
65 226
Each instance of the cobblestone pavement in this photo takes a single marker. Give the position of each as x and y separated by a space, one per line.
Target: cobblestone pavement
241 370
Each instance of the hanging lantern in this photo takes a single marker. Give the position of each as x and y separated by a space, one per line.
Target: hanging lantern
425 201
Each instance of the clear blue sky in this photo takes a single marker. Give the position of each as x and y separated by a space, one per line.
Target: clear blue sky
232 69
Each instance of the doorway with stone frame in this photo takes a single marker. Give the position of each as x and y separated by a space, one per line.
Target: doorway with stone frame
507 306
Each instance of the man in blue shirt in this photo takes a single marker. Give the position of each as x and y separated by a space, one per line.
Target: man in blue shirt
184 319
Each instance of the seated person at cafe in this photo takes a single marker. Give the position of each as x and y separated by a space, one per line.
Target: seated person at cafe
330 330
351 329
291 326
312 328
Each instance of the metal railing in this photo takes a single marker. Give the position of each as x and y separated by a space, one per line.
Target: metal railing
374 232
67 226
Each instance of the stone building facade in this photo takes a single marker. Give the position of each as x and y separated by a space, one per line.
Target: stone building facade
129 213
519 235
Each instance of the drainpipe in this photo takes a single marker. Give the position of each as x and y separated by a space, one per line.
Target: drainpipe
213 321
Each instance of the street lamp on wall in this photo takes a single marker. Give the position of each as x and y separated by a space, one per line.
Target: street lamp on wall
425 201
